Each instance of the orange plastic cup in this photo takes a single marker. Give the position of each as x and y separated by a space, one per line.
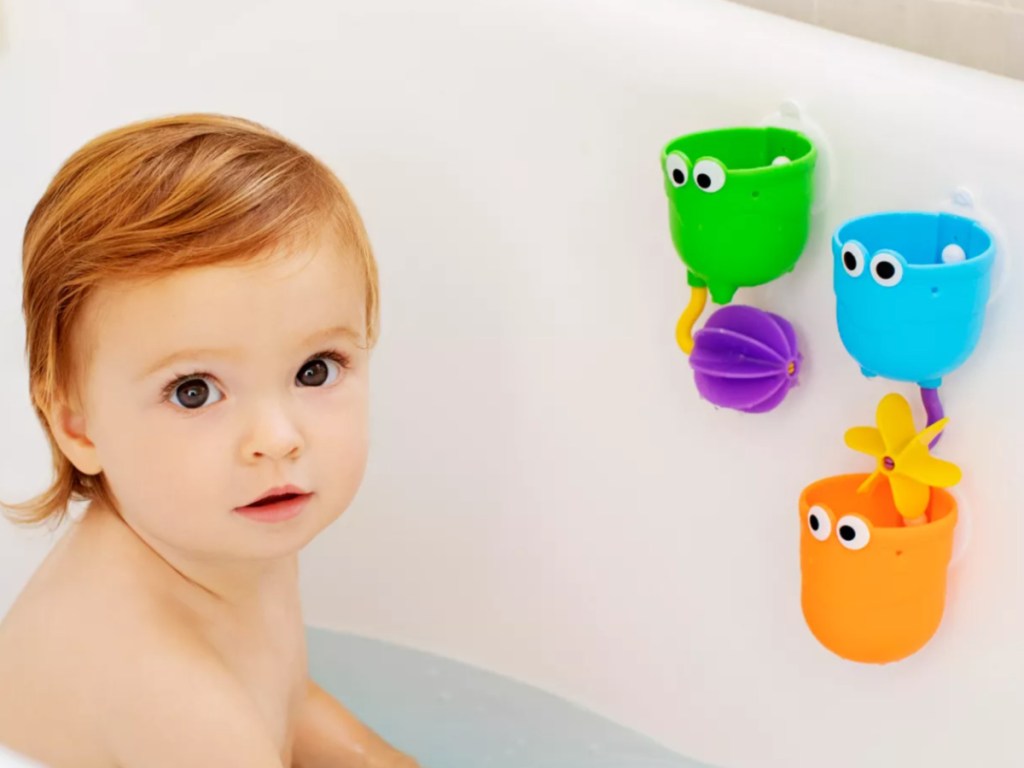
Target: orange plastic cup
873 590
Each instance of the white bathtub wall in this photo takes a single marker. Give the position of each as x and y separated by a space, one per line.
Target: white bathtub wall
987 34
547 496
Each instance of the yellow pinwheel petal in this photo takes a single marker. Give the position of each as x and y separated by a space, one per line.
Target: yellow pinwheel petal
868 484
916 464
895 422
930 432
910 497
866 440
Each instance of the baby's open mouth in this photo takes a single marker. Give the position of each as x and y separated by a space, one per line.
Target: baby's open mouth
280 494
274 499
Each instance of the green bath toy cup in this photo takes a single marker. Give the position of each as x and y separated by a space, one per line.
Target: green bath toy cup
739 205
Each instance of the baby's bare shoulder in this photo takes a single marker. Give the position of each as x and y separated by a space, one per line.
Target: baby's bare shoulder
175 704
116 667
170 699
158 695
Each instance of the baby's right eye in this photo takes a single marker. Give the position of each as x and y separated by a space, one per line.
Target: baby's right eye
190 394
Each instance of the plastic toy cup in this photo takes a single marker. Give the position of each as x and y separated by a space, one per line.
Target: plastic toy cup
911 291
873 590
739 204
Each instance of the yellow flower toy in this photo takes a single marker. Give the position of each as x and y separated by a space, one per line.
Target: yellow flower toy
903 458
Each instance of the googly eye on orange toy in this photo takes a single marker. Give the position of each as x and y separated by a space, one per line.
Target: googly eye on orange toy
819 522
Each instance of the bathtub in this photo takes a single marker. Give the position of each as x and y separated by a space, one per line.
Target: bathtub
457 716
600 568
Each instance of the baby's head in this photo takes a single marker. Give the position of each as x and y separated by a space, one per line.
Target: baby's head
200 300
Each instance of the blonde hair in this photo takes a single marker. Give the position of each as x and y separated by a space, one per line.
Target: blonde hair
143 201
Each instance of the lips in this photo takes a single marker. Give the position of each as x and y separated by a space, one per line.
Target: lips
276 495
267 510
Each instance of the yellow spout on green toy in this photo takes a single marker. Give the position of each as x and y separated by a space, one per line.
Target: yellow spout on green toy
684 328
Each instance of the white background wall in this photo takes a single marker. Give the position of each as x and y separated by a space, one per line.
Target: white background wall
547 496
987 34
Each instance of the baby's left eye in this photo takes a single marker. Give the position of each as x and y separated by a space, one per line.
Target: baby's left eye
316 372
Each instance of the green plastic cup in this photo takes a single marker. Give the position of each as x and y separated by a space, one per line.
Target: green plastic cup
739 205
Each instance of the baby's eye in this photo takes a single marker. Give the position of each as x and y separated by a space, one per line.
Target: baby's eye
192 392
315 372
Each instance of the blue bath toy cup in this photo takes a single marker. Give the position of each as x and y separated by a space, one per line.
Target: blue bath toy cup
911 291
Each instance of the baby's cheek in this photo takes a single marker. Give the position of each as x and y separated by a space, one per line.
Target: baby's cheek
343 461
158 469
351 456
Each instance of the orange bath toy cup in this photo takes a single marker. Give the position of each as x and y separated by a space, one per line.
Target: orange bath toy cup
873 589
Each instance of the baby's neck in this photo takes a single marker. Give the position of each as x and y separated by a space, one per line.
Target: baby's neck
241 590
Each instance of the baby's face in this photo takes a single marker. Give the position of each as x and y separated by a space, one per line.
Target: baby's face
255 400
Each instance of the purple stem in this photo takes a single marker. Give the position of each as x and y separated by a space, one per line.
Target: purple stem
932 407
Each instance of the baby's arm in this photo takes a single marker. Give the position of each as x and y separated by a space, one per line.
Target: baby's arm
329 736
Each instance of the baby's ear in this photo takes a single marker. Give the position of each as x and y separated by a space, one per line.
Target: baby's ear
67 424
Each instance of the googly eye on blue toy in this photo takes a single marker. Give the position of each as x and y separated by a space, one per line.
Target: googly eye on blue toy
887 268
911 291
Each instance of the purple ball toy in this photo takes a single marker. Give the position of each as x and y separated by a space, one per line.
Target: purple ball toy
746 359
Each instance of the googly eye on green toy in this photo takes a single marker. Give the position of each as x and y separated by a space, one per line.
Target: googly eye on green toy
739 210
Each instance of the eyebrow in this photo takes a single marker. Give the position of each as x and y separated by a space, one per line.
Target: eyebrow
163 362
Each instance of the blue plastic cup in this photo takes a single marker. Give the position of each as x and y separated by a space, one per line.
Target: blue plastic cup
911 291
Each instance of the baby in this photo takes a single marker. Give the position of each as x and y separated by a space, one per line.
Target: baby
200 301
